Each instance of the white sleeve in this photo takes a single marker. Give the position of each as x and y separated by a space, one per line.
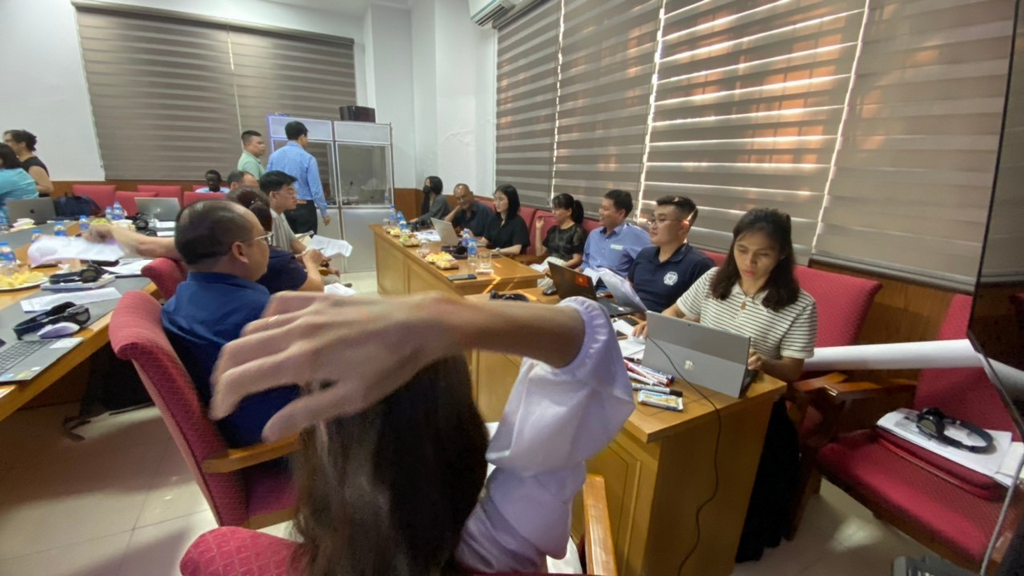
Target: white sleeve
555 419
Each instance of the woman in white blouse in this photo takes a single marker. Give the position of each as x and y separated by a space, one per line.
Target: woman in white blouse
755 293
571 397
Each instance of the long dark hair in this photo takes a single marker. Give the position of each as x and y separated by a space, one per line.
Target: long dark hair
8 158
567 202
388 491
433 186
782 287
512 194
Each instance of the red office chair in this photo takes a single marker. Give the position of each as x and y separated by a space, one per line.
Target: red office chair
161 191
239 491
486 202
717 257
193 197
166 274
590 225
943 505
238 552
101 194
127 200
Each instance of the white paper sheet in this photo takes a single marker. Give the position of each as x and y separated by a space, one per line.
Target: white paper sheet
128 267
429 235
623 291
593 274
53 248
903 355
901 422
539 268
331 247
632 348
163 224
44 303
338 289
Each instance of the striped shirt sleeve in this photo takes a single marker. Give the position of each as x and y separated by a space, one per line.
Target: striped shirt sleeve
692 301
798 341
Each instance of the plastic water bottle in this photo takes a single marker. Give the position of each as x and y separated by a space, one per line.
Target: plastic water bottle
36 234
473 256
5 224
8 261
465 238
58 229
83 224
401 219
393 217
109 213
118 211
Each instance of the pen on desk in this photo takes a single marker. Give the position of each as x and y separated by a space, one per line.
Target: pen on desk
656 374
658 389
646 375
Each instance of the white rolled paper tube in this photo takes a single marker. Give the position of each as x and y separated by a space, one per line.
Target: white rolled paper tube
901 356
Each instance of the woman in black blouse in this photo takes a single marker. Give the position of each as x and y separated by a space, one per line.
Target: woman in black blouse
24 143
507 231
565 240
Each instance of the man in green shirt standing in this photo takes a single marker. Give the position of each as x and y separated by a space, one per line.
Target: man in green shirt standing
253 148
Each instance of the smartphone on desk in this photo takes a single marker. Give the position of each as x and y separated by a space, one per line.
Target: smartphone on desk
458 277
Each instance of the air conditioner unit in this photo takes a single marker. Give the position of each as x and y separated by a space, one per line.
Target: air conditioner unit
483 12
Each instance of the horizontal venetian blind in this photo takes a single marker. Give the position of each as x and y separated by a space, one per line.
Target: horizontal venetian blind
749 99
608 56
162 95
527 86
914 174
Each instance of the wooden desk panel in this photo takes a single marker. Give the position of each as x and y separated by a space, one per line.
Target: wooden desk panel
400 270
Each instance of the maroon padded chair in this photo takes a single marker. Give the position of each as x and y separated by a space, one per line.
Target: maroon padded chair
590 225
843 304
161 191
193 197
717 257
241 488
166 274
127 200
486 202
101 194
941 504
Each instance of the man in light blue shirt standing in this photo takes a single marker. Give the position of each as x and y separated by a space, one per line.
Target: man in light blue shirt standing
615 245
292 159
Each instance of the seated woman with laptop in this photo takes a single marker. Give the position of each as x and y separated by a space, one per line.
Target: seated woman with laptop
755 293
507 232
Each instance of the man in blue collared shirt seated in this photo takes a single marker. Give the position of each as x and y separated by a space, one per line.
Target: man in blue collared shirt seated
663 272
292 159
615 245
226 250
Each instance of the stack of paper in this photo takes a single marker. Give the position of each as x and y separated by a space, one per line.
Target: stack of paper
55 248
128 267
1000 463
44 303
330 247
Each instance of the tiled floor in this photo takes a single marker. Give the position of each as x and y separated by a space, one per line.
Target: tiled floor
123 502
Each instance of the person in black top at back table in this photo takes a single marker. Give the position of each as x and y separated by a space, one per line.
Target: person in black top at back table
507 231
24 143
469 213
565 240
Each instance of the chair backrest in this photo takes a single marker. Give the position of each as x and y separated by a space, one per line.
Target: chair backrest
162 191
166 274
486 202
127 200
528 215
193 197
137 334
101 194
843 304
547 224
589 224
964 393
717 257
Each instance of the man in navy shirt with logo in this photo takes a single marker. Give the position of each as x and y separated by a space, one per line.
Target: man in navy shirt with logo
226 250
663 272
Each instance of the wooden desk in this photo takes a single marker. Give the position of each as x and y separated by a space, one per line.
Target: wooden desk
14 396
400 270
660 468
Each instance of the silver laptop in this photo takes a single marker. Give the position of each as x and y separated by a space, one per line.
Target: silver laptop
446 231
162 209
712 358
23 360
40 210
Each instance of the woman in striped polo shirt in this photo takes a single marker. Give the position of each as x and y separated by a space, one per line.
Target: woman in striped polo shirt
755 293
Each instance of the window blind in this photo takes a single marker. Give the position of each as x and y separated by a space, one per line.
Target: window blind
527 89
170 96
608 55
748 103
162 95
914 174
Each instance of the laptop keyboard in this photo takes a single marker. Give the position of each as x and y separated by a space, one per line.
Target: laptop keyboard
18 351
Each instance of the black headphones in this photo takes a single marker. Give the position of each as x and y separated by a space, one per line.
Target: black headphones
66 312
932 423
495 295
88 275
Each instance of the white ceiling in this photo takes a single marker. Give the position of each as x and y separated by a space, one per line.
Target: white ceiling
349 7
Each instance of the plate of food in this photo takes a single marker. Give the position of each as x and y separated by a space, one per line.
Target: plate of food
411 241
21 281
435 257
446 265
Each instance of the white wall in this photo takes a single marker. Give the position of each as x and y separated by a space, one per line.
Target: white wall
53 100
424 86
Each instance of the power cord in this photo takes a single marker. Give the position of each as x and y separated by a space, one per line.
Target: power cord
718 437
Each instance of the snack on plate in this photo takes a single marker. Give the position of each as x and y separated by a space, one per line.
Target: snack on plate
411 241
435 257
446 264
395 232
21 279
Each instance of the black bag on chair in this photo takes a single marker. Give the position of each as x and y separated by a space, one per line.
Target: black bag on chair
75 207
